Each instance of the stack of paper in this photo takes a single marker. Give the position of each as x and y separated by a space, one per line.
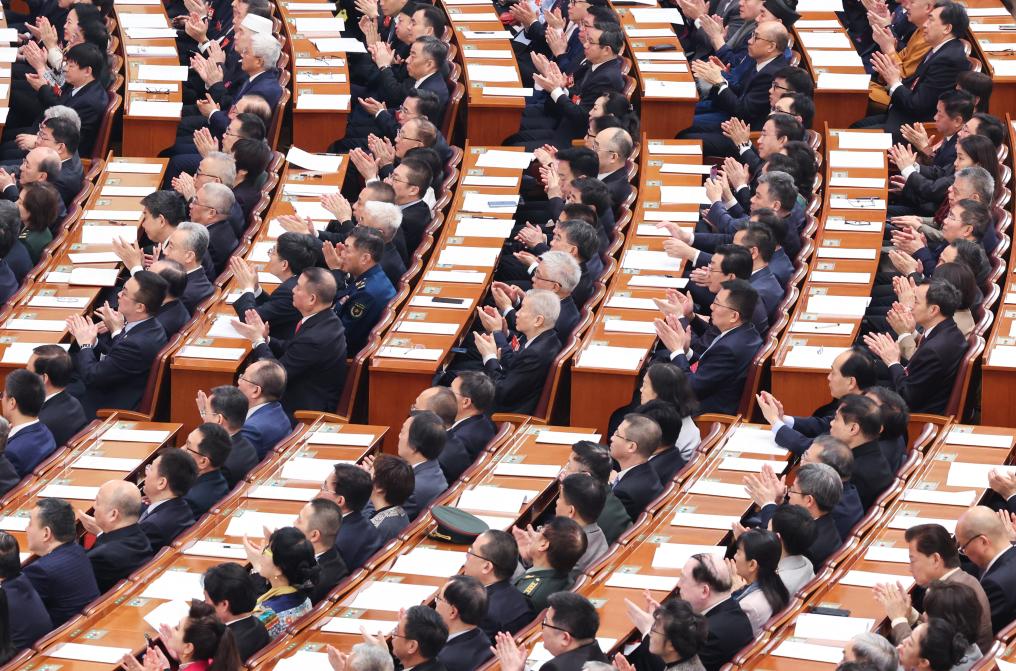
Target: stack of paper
495 499
501 158
810 356
868 141
676 555
317 162
429 562
831 627
308 468
611 358
253 523
391 596
172 585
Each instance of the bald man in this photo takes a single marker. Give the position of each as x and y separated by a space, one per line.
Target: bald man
121 546
981 536
613 147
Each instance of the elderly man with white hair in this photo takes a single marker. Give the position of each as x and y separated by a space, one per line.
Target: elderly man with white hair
386 219
519 363
871 649
187 245
557 272
210 207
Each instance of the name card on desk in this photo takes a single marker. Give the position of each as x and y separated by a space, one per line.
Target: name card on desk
714 488
338 45
611 358
870 579
327 163
659 583
436 328
185 585
498 158
139 168
959 437
638 259
52 325
965 498
253 523
21 352
414 353
847 306
704 521
151 34
113 215
105 235
139 191
441 302
858 182
276 493
76 492
826 328
834 277
831 627
810 356
322 101
906 521
472 227
429 562
809 651
218 353
887 554
525 470
495 499
156 108
565 437
838 80
153 50
657 88
963 474
649 32
457 276
352 625
657 281
320 62
828 40
628 326
391 596
102 654
216 549
492 73
162 73
657 15
490 202
461 255
676 555
846 253
305 660
95 463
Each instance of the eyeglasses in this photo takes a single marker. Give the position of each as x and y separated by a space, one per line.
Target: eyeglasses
195 452
547 625
537 276
623 437
200 204
962 549
755 37
715 303
205 174
401 134
777 86
478 556
248 381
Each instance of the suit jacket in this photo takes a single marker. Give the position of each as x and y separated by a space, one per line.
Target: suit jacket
221 243
908 59
114 373
64 581
872 474
393 87
916 97
392 263
466 652
265 427
519 376
901 631
206 492
315 363
998 583
250 636
415 220
173 316
8 283
357 540
63 416
166 522
474 433
827 541
247 195
241 460
849 510
927 380
454 459
90 104
573 107
29 447
32 621
70 179
750 100
198 288
430 482
574 660
507 609
637 488
117 554
798 438
333 569
729 631
614 519
667 464
722 369
770 292
265 85
618 186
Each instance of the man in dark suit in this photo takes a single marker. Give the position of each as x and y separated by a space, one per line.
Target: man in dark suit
188 245
424 70
113 369
418 638
29 441
167 481
631 445
666 459
557 271
706 584
121 546
858 423
492 559
410 180
210 208
835 454
9 477
264 383
760 243
172 314
10 226
569 633
462 605
292 254
315 357
474 396
981 536
230 590
62 574
420 442
349 487
926 382
320 521
41 164
63 136
913 99
227 407
60 412
594 459
28 620
723 364
519 371
747 99
613 148
209 444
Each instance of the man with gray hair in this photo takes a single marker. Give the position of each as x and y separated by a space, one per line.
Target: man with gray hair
217 167
832 452
817 489
42 164
872 649
556 271
519 367
363 657
29 141
211 207
386 218
121 546
187 245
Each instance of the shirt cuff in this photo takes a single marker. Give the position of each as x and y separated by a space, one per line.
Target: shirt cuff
259 341
777 425
489 357
743 148
136 269
698 23
721 89
901 336
894 87
203 47
908 171
557 93
730 203
532 268
899 620
504 313
257 291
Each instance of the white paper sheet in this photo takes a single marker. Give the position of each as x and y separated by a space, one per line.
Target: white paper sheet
662 67
887 554
126 464
809 651
113 215
846 253
282 493
303 77
657 15
660 56
957 437
495 54
810 356
253 523
631 303
964 498
825 328
628 326
565 437
864 141
870 579
1002 355
839 158
139 20
1003 68
21 352
217 353
686 169
322 101
94 257
320 62
906 521
391 596
319 25
840 202
817 23
963 474
436 328
487 34
456 276
352 625
11 523
656 88
815 40
820 58
75 492
750 465
495 499
853 225
524 470
755 441
484 228
311 190
338 45
846 306
341 438
492 73
704 521
136 435
461 255
676 555
848 82
168 613
683 194
831 627
305 660
172 585
162 73
858 182
485 180
660 583
326 163
725 489
640 259
429 302
836 277
657 281
498 158
308 468
222 327
150 50
309 209
611 357
50 325
506 91
137 168
159 109
216 549
102 654
105 235
429 562
490 202
648 32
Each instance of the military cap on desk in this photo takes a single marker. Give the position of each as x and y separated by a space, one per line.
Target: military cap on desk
456 526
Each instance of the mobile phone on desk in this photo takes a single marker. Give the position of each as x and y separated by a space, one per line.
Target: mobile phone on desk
662 47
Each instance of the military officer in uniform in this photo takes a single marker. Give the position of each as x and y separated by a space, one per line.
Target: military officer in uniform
368 290
553 552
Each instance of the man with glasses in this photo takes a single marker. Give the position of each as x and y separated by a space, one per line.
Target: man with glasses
42 164
706 583
187 245
632 444
613 147
264 383
492 559
554 271
227 407
291 255
61 411
418 638
167 481
569 634
209 445
64 136
981 536
462 604
210 207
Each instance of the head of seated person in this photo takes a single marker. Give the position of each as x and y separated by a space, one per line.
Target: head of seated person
39 206
209 444
428 21
759 242
230 590
613 147
51 524
172 474
349 486
422 437
804 167
462 603
404 24
251 158
319 520
410 179
769 41
201 635
635 440
117 505
187 245
818 489
581 497
427 56
934 645
474 394
415 132
973 183
261 54
666 417
362 250
977 150
790 80
419 636
988 125
243 126
538 314
256 105
383 217
967 220
571 621
590 191
161 212
795 528
429 157
211 204
871 651
797 105
84 63
23 396
217 166
948 20
953 109
438 400
978 85
777 131
777 191
175 276
558 545
421 104
263 382
557 272
393 481
601 46
733 263
41 164
60 133
241 8
314 291
705 581
54 365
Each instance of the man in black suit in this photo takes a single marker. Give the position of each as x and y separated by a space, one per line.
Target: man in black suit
723 362
631 445
62 574
706 584
981 536
227 407
474 396
834 453
492 559
747 99
292 254
230 590
418 639
167 481
858 423
462 604
420 442
41 164
666 460
10 227
926 382
315 357
61 412
63 136
349 487
453 458
113 369
210 207
320 521
519 371
569 634
172 314
188 245
29 441
613 148
121 546
758 240
9 477
557 271
425 68
209 444
264 383
30 621
410 179
913 99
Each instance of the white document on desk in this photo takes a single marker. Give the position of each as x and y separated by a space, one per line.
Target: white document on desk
675 149
753 440
216 549
484 228
817 23
51 325
487 180
259 251
629 302
102 654
150 50
904 522
429 562
435 328
611 357
676 555
854 225
151 34
491 73
686 168
1002 355
963 474
12 523
156 108
308 190
461 255
871 578
641 56
960 437
137 168
495 54
162 73
670 195
76 492
657 15
173 585
658 88
276 493
308 468
809 651
639 259
826 40
659 583
495 499
499 158
311 209
94 277
439 302
216 353
964 498
338 45
21 352
750 465
864 141
113 215
839 202
507 91
502 203
888 554
716 488
858 182
139 191
340 438
92 462
820 58
524 470
487 34
168 613
253 523
673 216
136 435
704 521
840 158
648 32
320 62
94 257
139 20
303 77
352 625
848 82
105 235
322 101
322 24
810 356
326 163
847 253
565 437
305 660
456 276
223 327
847 306
391 596
824 328
662 67
831 627
836 277
629 326
657 281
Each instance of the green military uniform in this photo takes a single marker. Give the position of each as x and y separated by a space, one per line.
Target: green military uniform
538 584
614 519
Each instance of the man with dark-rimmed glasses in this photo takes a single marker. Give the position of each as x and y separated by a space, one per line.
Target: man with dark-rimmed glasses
264 383
492 559
569 633
209 445
981 536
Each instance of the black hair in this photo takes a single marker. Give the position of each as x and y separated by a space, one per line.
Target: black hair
478 388
586 494
991 127
427 434
212 640
175 275
231 582
594 457
860 366
54 361
978 85
426 627
582 161
367 240
684 629
798 80
229 402
566 543
795 526
672 385
863 411
293 554
168 204
934 539
945 296
27 390
353 483
395 477
502 551
666 417
575 614
957 103
942 645
764 548
468 596
58 515
64 132
742 297
215 443
179 469
736 261
253 156
151 290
